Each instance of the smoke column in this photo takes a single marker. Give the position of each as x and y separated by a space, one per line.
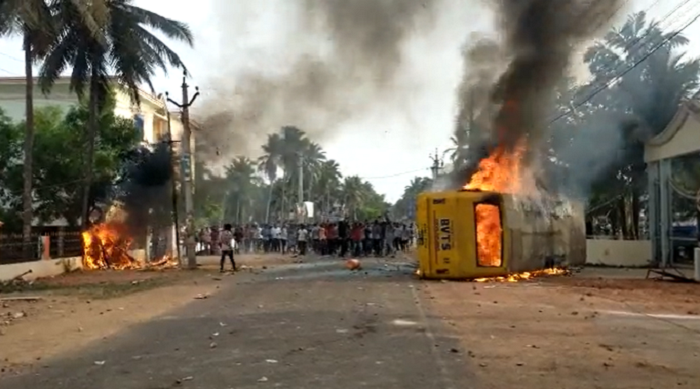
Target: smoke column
508 85
146 191
338 57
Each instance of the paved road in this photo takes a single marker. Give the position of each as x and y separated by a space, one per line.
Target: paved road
298 326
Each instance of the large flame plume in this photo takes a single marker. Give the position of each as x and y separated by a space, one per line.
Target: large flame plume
511 100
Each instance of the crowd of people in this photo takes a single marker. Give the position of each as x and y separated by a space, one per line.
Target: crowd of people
370 238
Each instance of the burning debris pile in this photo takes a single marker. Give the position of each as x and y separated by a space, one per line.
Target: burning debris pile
146 185
107 246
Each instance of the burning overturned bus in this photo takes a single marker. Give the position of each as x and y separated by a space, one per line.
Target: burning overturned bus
470 234
498 224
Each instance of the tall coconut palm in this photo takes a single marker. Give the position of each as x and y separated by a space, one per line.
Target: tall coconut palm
269 163
240 180
312 157
353 192
328 181
126 44
32 20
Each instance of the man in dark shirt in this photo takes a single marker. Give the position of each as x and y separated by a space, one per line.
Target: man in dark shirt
343 236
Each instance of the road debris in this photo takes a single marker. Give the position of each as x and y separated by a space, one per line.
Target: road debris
201 296
263 379
181 380
271 360
100 363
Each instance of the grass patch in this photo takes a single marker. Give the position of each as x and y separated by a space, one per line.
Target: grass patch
107 290
98 290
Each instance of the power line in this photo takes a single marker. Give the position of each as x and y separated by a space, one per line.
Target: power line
9 72
12 57
638 43
629 69
395 175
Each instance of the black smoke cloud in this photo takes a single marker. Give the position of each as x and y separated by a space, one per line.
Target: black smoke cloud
146 188
509 83
360 52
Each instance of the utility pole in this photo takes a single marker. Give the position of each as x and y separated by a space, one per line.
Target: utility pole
173 159
301 187
186 170
437 164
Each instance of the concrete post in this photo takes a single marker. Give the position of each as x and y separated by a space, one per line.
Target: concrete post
665 211
61 241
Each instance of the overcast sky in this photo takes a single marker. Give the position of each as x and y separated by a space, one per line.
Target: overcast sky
389 145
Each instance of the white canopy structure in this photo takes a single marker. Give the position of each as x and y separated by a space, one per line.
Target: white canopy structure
680 137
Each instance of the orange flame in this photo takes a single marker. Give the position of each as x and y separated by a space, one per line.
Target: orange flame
500 172
525 275
106 246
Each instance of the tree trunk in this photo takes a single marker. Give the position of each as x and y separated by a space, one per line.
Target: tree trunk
28 175
90 134
269 202
622 217
635 213
238 210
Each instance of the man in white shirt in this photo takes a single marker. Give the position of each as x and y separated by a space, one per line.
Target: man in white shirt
283 239
226 242
275 234
302 239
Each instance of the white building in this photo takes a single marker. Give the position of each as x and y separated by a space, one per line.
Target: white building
150 117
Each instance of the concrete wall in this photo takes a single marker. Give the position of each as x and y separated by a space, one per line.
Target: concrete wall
49 267
623 253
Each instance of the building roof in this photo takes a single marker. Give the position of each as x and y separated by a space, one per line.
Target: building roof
150 97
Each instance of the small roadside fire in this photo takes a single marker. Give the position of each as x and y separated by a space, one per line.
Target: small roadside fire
107 246
525 275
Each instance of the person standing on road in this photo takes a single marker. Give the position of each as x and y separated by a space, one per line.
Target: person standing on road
226 240
302 239
275 234
283 239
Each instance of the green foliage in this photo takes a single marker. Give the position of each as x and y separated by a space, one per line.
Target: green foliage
267 189
10 173
124 47
407 203
57 174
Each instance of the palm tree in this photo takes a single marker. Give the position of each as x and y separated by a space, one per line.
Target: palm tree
269 163
410 193
240 180
353 192
31 19
312 157
125 44
328 181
